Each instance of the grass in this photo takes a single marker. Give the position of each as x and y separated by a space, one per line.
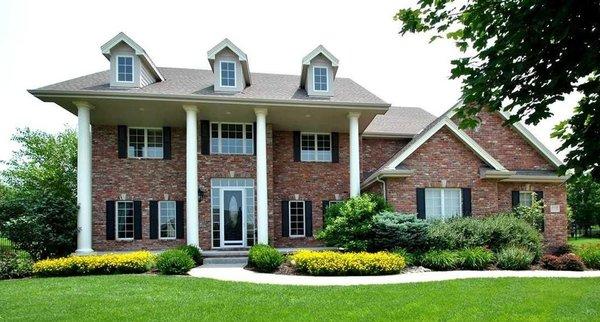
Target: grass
578 241
150 297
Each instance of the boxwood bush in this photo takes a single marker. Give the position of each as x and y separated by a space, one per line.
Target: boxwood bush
515 258
264 258
174 262
337 263
392 230
135 262
590 254
194 252
15 263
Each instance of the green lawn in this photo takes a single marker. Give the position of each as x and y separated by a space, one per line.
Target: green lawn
583 240
148 297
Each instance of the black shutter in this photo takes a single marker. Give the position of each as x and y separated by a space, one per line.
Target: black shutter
205 137
167 142
122 141
153 208
110 220
179 219
335 147
285 212
309 218
515 199
254 136
296 146
324 206
421 203
466 202
137 219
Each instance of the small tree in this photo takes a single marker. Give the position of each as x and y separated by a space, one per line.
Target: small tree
583 197
533 215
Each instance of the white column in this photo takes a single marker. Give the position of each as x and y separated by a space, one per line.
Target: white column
262 209
354 155
84 179
191 174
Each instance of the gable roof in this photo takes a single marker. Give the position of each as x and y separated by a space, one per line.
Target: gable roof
226 43
139 51
399 122
320 50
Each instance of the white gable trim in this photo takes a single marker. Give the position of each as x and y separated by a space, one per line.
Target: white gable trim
320 50
122 37
445 121
226 43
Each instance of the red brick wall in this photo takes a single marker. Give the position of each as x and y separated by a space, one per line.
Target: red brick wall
374 152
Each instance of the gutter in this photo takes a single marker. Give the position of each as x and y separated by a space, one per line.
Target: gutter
383 188
388 173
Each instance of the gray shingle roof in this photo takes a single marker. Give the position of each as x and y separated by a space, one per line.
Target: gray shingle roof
198 83
400 121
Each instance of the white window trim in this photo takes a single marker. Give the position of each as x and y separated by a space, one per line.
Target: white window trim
315 134
220 147
442 202
132 69
234 73
326 78
159 220
290 218
145 150
117 219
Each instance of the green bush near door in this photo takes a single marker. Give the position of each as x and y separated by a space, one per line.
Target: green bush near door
264 258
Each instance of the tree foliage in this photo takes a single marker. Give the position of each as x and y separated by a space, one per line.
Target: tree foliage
38 203
584 199
520 56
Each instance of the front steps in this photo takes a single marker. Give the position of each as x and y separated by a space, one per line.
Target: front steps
237 257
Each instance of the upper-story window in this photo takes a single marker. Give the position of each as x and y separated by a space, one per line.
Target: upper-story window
125 69
315 147
145 143
228 74
320 79
231 138
442 203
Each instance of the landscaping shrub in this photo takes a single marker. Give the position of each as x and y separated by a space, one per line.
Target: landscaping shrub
174 262
264 258
135 262
194 252
15 263
336 263
550 262
590 254
410 259
515 258
564 262
533 215
392 230
560 249
349 225
476 258
441 260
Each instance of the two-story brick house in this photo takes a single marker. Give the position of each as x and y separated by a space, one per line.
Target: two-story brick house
226 157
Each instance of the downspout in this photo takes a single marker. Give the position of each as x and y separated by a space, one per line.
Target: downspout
383 189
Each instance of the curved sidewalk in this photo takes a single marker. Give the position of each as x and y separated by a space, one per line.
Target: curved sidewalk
238 274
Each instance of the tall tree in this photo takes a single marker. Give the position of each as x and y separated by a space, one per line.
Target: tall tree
583 196
520 56
38 203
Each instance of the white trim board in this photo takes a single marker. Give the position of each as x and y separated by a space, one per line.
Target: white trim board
139 51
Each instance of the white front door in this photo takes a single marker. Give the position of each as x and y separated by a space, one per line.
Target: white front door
233 218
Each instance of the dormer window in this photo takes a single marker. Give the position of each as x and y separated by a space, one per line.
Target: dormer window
125 69
320 79
228 74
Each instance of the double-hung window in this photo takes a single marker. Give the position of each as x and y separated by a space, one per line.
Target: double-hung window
231 138
145 143
228 74
320 79
315 147
125 69
526 198
124 213
297 218
442 203
167 219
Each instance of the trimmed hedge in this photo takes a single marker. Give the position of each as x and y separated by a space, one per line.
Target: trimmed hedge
515 258
264 258
15 263
336 263
135 262
174 262
590 254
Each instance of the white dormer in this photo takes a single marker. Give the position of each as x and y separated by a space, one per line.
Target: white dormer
319 68
130 65
230 67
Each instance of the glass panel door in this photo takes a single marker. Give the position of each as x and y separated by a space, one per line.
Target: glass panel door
232 218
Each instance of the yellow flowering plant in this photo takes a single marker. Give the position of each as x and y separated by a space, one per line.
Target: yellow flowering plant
337 263
135 262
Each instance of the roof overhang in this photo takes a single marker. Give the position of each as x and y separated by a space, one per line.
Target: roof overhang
393 173
536 178
226 43
139 51
383 135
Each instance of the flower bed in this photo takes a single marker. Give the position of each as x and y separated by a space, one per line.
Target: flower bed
335 263
136 262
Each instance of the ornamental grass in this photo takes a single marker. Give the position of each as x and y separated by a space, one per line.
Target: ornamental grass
129 263
336 263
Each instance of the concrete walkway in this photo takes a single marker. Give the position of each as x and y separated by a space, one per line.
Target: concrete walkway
238 274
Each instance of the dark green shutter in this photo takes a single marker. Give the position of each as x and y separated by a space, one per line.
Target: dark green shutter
179 226
466 202
122 141
515 199
167 142
421 203
335 147
110 220
285 213
324 206
205 137
137 219
153 208
308 218
296 146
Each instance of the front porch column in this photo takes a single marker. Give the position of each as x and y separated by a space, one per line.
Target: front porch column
262 209
84 178
354 155
191 174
